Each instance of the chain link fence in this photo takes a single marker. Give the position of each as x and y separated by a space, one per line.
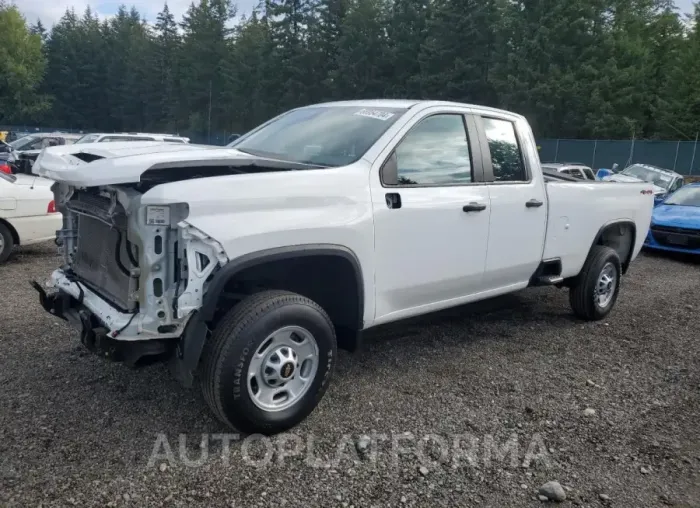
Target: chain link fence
680 156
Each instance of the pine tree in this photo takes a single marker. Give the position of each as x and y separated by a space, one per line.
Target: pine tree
291 22
203 51
164 48
457 55
363 69
406 32
38 29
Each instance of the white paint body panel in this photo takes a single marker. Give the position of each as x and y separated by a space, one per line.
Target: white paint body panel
577 211
425 256
23 204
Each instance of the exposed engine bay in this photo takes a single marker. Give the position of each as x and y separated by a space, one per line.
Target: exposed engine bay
139 270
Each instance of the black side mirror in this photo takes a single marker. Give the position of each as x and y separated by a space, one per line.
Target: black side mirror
390 171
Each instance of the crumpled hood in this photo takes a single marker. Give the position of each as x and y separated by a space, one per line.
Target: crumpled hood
677 216
632 179
95 164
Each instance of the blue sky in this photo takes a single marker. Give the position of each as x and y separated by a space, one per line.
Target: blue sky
49 11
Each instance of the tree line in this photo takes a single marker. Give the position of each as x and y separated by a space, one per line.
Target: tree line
575 68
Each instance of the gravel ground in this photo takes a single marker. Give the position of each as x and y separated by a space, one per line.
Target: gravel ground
611 410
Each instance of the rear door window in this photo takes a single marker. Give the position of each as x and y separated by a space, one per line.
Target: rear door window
506 157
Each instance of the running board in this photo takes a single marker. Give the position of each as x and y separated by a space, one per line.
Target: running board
548 273
549 280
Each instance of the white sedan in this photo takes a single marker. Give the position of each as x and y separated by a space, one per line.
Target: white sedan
27 212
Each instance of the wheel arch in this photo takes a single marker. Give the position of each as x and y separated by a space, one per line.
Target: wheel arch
349 313
613 234
13 231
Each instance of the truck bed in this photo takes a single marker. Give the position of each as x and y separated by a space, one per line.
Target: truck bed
578 209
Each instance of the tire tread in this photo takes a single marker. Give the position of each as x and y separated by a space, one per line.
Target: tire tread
579 295
238 318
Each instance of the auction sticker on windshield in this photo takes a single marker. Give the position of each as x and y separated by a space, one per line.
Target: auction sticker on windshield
376 114
157 215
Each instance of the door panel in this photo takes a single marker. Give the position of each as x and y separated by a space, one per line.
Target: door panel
518 206
429 249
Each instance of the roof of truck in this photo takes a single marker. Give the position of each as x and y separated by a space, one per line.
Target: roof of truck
406 104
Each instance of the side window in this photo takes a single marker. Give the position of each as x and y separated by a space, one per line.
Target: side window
589 173
506 157
677 185
435 152
577 173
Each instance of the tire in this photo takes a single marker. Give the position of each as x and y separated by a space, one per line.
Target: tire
246 338
7 242
583 295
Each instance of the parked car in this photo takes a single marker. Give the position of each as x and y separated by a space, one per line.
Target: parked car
665 181
675 223
130 136
27 212
26 149
575 169
319 224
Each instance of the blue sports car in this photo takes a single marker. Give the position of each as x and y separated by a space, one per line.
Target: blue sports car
675 223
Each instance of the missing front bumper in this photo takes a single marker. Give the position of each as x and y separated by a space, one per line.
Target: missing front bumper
95 336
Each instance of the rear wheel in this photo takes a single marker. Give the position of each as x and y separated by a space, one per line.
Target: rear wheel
595 290
6 243
269 362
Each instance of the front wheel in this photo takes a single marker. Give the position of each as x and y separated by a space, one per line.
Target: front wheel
595 290
269 362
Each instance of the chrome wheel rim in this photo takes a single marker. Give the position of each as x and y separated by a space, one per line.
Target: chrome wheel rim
606 285
283 368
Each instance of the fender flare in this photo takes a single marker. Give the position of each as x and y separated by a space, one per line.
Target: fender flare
189 351
228 271
618 222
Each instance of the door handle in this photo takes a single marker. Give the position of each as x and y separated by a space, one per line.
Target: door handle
534 203
474 207
393 200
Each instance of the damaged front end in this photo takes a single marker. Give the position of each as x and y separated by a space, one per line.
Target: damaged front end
133 275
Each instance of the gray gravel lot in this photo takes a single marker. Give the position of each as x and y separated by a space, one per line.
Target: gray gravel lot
76 430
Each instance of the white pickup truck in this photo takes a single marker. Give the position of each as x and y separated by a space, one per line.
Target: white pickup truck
247 266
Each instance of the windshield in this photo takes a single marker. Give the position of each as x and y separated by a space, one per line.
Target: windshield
26 143
88 138
655 176
686 196
320 135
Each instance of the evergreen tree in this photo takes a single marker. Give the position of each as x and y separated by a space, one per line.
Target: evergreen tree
203 51
363 68
582 68
38 29
406 32
457 55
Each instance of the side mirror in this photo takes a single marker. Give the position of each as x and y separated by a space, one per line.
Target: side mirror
389 173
